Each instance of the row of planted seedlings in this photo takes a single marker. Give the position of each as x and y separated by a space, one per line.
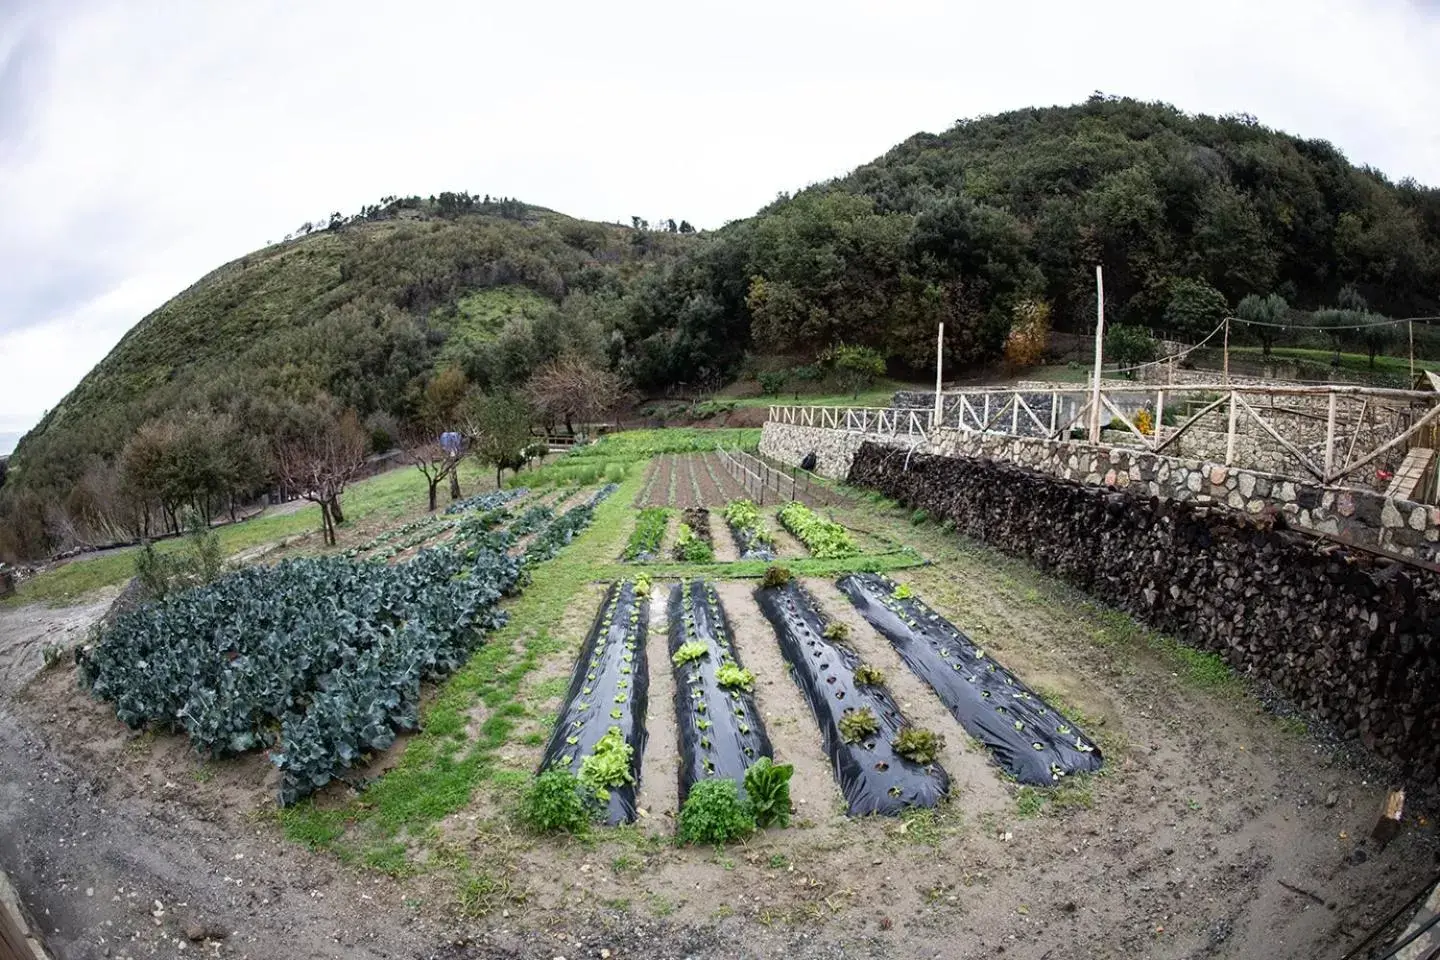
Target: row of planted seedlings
318 659
729 784
599 735
693 543
389 543
753 539
1030 739
824 538
728 780
882 763
645 540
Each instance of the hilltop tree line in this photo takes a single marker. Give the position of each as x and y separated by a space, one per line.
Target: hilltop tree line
993 227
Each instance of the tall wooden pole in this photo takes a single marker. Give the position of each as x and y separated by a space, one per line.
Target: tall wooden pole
1099 355
939 360
1411 325
1227 349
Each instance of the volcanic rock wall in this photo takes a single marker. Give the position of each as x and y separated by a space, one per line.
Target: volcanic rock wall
1352 637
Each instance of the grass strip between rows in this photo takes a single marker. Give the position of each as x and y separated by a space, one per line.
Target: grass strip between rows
441 765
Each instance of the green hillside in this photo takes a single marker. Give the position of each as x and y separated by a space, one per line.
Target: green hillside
997 221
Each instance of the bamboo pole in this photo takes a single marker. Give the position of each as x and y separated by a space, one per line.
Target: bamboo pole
1230 432
1330 436
1099 354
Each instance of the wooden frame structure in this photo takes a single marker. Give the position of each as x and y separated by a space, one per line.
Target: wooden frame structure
1008 412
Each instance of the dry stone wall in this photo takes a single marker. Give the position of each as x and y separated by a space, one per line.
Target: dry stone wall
1352 637
1362 517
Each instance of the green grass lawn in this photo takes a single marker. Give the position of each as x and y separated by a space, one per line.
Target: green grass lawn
383 498
826 395
1354 362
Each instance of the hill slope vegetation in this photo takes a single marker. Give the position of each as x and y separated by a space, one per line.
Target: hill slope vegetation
993 224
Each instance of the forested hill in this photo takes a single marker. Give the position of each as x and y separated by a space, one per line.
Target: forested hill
364 310
1019 208
997 222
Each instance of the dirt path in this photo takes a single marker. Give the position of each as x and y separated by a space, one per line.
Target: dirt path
786 546
659 793
26 630
793 731
726 549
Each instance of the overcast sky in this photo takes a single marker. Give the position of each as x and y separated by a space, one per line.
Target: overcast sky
142 143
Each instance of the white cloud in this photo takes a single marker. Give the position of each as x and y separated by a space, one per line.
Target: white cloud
158 141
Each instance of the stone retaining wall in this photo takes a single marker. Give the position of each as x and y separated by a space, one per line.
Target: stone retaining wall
1348 636
1362 517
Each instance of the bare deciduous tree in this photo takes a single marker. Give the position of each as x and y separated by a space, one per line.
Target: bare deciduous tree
320 465
425 452
573 390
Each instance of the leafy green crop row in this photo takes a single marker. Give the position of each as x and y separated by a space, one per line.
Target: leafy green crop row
754 538
649 532
824 538
319 658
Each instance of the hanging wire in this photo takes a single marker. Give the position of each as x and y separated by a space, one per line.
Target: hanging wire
1304 327
1173 357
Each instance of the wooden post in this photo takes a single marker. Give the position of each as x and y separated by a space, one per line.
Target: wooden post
1014 413
1230 433
1159 418
939 415
1099 354
1411 325
985 420
1330 438
1054 411
1227 350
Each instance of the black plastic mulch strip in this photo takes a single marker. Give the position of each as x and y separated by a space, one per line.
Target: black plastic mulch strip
750 547
873 777
721 733
1030 739
609 689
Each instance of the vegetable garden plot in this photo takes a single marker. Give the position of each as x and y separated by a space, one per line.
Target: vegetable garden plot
858 722
825 539
489 500
565 527
1030 739
644 543
600 733
327 651
721 733
752 538
693 544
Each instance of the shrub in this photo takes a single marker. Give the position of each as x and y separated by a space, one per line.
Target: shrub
825 539
690 650
868 676
835 630
767 785
919 745
772 383
919 518
555 802
732 676
608 766
714 813
856 725
776 577
198 563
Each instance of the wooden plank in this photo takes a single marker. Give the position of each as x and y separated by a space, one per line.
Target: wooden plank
1387 827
